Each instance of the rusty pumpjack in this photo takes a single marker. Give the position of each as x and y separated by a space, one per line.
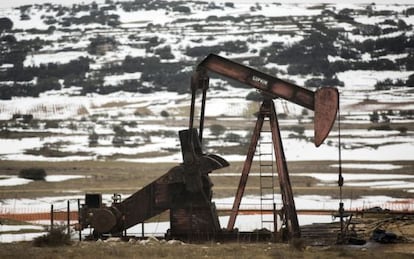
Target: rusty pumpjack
186 189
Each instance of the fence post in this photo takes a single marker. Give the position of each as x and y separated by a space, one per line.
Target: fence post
51 216
68 216
275 239
79 223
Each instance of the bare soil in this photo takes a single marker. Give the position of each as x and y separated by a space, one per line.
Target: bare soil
126 178
209 250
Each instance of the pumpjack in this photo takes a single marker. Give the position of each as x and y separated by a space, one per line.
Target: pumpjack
186 190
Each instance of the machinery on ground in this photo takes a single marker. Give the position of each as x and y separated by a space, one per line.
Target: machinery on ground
186 190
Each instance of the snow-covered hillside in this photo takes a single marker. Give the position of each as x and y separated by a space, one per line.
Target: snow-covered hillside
109 110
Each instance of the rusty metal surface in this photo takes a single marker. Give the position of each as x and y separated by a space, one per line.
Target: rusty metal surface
102 219
246 169
289 209
326 107
194 221
186 191
269 85
325 101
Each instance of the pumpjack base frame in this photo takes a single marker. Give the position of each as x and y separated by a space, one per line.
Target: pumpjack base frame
225 236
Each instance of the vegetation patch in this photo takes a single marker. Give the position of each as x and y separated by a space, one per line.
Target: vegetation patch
54 237
37 174
53 152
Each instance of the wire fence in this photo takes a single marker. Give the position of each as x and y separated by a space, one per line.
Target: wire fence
406 205
68 214
43 215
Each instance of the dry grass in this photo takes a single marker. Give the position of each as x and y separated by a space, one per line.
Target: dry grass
117 104
142 111
125 177
82 110
54 237
207 250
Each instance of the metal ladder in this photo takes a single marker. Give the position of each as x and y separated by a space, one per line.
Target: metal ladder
265 153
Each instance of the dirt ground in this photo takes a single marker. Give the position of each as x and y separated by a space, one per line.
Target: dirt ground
124 177
205 250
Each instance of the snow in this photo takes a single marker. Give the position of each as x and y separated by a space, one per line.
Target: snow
302 202
357 80
243 222
10 238
8 228
58 107
384 184
17 146
61 178
11 180
225 107
390 181
309 202
332 177
295 149
15 3
117 79
129 19
58 57
377 166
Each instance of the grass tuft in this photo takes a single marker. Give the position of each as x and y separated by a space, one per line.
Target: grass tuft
55 237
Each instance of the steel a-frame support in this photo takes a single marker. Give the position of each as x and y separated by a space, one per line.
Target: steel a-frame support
267 109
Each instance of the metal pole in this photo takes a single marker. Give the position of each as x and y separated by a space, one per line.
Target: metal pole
246 169
192 109
274 223
79 223
68 217
340 181
51 216
284 181
202 113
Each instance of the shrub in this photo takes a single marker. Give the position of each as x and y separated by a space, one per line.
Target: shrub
37 174
254 96
410 81
298 129
52 124
318 82
403 130
182 9
217 129
232 137
237 46
164 113
164 52
93 139
5 24
54 237
384 126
